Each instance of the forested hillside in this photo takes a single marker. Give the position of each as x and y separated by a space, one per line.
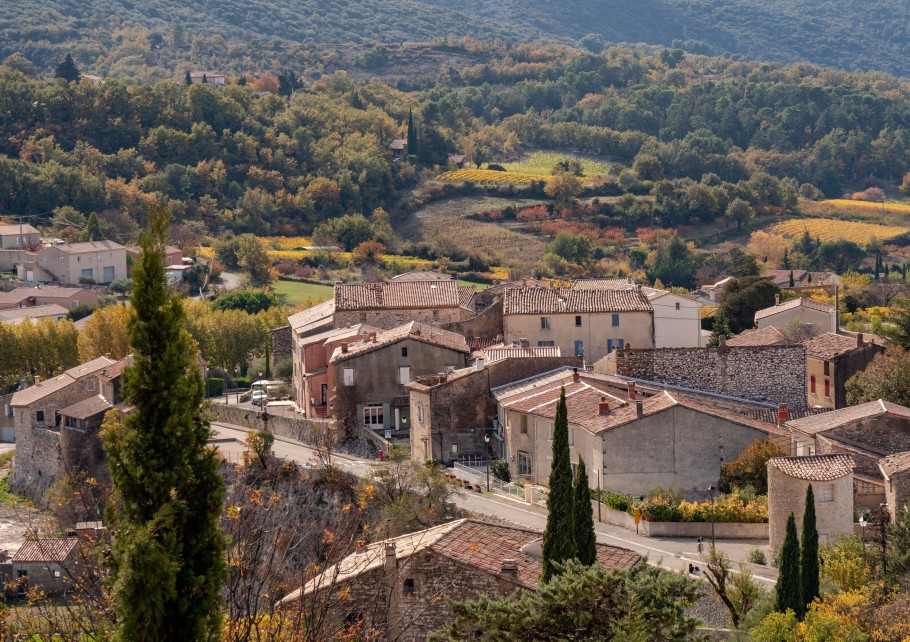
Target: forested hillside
121 37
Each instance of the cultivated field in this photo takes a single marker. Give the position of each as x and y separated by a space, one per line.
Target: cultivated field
832 230
296 293
542 163
491 176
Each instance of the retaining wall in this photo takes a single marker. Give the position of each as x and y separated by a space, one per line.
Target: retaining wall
681 529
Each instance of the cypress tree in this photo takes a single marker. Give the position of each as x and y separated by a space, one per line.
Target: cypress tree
205 79
187 78
559 535
792 282
68 70
167 562
788 593
412 134
92 231
585 539
785 264
809 557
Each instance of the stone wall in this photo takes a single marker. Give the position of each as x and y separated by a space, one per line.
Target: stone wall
897 493
282 343
389 319
771 374
302 430
37 468
487 324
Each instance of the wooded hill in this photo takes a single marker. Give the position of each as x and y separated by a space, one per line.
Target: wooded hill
247 35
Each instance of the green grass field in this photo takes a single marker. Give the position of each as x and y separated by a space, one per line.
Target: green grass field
476 286
295 293
543 163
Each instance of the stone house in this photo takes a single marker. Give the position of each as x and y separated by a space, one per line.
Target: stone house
896 471
801 278
317 375
866 433
18 315
631 440
319 318
769 336
807 314
831 359
399 148
710 294
390 305
40 455
766 374
46 563
15 242
453 415
68 298
74 263
831 478
208 77
402 586
580 321
371 375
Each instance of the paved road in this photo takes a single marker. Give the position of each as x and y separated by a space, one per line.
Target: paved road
670 553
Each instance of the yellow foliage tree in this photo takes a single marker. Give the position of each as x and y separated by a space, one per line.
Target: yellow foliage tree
767 247
105 334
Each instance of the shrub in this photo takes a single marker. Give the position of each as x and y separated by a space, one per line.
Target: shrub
121 286
284 368
756 556
80 312
242 382
224 375
616 501
214 387
499 468
86 280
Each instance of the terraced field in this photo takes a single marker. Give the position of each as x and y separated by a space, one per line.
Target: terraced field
828 229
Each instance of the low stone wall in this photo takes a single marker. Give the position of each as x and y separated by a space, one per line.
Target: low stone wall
681 529
303 430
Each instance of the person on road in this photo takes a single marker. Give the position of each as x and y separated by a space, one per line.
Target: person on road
381 454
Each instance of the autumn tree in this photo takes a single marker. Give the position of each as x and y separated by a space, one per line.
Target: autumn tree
559 544
887 377
167 558
254 261
564 188
741 212
105 333
905 184
750 468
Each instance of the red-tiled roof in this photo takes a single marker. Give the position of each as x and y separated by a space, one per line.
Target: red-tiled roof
40 390
466 297
49 549
87 408
33 312
89 246
15 230
624 283
894 464
769 336
792 304
422 275
827 346
414 331
572 301
815 467
45 291
397 295
312 318
844 416
500 352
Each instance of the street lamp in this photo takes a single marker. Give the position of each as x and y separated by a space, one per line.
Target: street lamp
862 522
486 440
711 490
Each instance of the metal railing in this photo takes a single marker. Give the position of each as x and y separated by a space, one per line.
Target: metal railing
479 477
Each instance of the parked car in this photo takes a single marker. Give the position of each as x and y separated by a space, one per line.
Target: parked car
258 397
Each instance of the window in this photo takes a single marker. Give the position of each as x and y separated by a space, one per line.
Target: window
410 586
454 449
90 385
404 375
420 412
824 493
21 573
827 368
324 393
812 384
579 348
348 375
615 344
577 321
524 463
435 315
546 344
78 259
39 415
615 320
56 573
404 352
61 260
574 470
677 305
544 323
70 423
827 388
571 438
87 273
373 416
363 317
523 424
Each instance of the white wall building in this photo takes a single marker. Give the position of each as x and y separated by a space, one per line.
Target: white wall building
677 319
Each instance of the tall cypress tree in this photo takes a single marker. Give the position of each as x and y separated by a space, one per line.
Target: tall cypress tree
68 70
585 539
788 593
809 556
559 535
92 231
188 79
412 134
168 553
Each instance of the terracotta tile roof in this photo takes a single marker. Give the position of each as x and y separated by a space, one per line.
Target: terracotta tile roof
33 312
895 464
570 301
422 275
337 333
89 246
829 345
844 416
524 283
312 318
398 144
116 370
397 295
480 545
87 408
414 331
466 297
45 291
800 277
815 467
500 352
16 230
30 395
792 304
90 367
50 549
625 283
769 336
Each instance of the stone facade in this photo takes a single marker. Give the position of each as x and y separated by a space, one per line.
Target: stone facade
487 324
282 343
450 418
388 319
787 494
770 374
896 469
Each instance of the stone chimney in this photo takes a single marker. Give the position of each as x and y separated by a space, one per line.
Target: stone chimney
776 299
783 414
509 569
632 394
37 380
639 408
603 408
575 377
859 340
344 347
373 337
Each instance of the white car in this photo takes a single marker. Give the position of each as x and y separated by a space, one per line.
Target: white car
258 397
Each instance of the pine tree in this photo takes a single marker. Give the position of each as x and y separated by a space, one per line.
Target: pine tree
268 364
788 593
68 70
188 79
585 539
205 79
720 328
92 231
167 561
785 263
809 555
559 535
241 82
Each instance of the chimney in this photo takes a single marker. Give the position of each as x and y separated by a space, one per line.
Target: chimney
442 377
722 341
859 340
373 337
639 408
390 566
783 414
37 380
479 364
509 569
344 347
632 390
603 408
575 377
776 299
